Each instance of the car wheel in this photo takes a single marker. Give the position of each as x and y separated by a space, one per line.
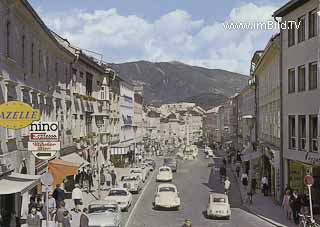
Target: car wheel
228 217
178 208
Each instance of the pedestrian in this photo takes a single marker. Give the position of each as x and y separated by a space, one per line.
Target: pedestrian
113 178
102 178
295 205
52 206
244 179
286 204
264 183
33 219
59 219
39 206
90 179
77 198
253 185
140 158
66 219
238 169
32 204
223 172
108 179
58 195
227 185
224 161
84 220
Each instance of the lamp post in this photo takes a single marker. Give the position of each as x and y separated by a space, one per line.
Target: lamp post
99 125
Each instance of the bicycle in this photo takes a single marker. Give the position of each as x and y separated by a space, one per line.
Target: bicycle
306 221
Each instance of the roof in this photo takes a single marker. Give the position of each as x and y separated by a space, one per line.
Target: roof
288 7
218 195
103 202
166 185
213 110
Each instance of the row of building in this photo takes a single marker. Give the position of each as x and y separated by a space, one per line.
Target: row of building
273 121
96 109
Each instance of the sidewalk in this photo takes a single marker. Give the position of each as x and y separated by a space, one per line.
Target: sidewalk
263 206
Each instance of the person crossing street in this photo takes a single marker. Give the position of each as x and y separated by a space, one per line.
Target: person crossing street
227 186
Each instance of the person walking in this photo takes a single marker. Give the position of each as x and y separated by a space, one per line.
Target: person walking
286 204
90 179
84 220
102 179
33 219
32 204
113 178
264 183
227 185
59 219
77 198
253 185
108 180
244 179
58 195
66 219
238 169
52 206
295 205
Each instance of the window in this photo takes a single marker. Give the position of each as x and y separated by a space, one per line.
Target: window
291 33
32 55
23 43
47 67
291 81
313 121
10 133
8 30
313 75
102 93
302 132
301 78
39 62
56 70
292 132
88 84
67 78
313 23
301 29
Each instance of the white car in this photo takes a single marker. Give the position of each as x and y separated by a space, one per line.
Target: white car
210 153
165 174
122 196
218 206
132 183
104 213
139 172
167 197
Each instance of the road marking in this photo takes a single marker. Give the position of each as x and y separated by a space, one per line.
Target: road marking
138 200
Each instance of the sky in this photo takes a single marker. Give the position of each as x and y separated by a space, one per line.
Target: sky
189 31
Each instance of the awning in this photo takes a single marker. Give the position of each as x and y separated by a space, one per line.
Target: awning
60 169
75 158
251 156
18 183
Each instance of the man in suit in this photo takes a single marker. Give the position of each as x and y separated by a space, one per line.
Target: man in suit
33 219
58 195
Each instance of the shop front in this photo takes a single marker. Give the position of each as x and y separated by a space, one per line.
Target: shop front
298 168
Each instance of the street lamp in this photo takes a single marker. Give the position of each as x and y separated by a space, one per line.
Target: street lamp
99 124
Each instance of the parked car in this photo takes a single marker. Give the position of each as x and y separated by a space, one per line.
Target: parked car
210 153
172 163
139 172
104 213
165 174
132 183
122 196
218 206
167 196
151 163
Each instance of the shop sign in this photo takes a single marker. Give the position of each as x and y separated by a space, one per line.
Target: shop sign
15 115
44 150
44 131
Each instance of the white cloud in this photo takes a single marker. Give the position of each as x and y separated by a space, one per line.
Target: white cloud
174 36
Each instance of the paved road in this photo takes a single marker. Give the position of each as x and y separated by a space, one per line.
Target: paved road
194 183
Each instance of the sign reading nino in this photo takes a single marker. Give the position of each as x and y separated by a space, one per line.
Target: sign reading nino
15 115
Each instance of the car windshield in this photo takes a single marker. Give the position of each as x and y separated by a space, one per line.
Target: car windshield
164 170
219 200
169 161
135 171
117 193
98 208
167 189
128 178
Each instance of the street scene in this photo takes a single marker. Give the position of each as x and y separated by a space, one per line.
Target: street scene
159 113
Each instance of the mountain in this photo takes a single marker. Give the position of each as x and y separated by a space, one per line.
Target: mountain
168 82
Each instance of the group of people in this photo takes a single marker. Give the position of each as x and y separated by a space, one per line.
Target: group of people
294 203
85 178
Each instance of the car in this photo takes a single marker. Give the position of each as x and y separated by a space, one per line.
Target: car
132 183
210 153
122 196
165 174
151 163
167 196
139 172
103 213
172 163
146 169
218 206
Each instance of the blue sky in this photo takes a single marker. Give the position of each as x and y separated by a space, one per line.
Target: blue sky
189 31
